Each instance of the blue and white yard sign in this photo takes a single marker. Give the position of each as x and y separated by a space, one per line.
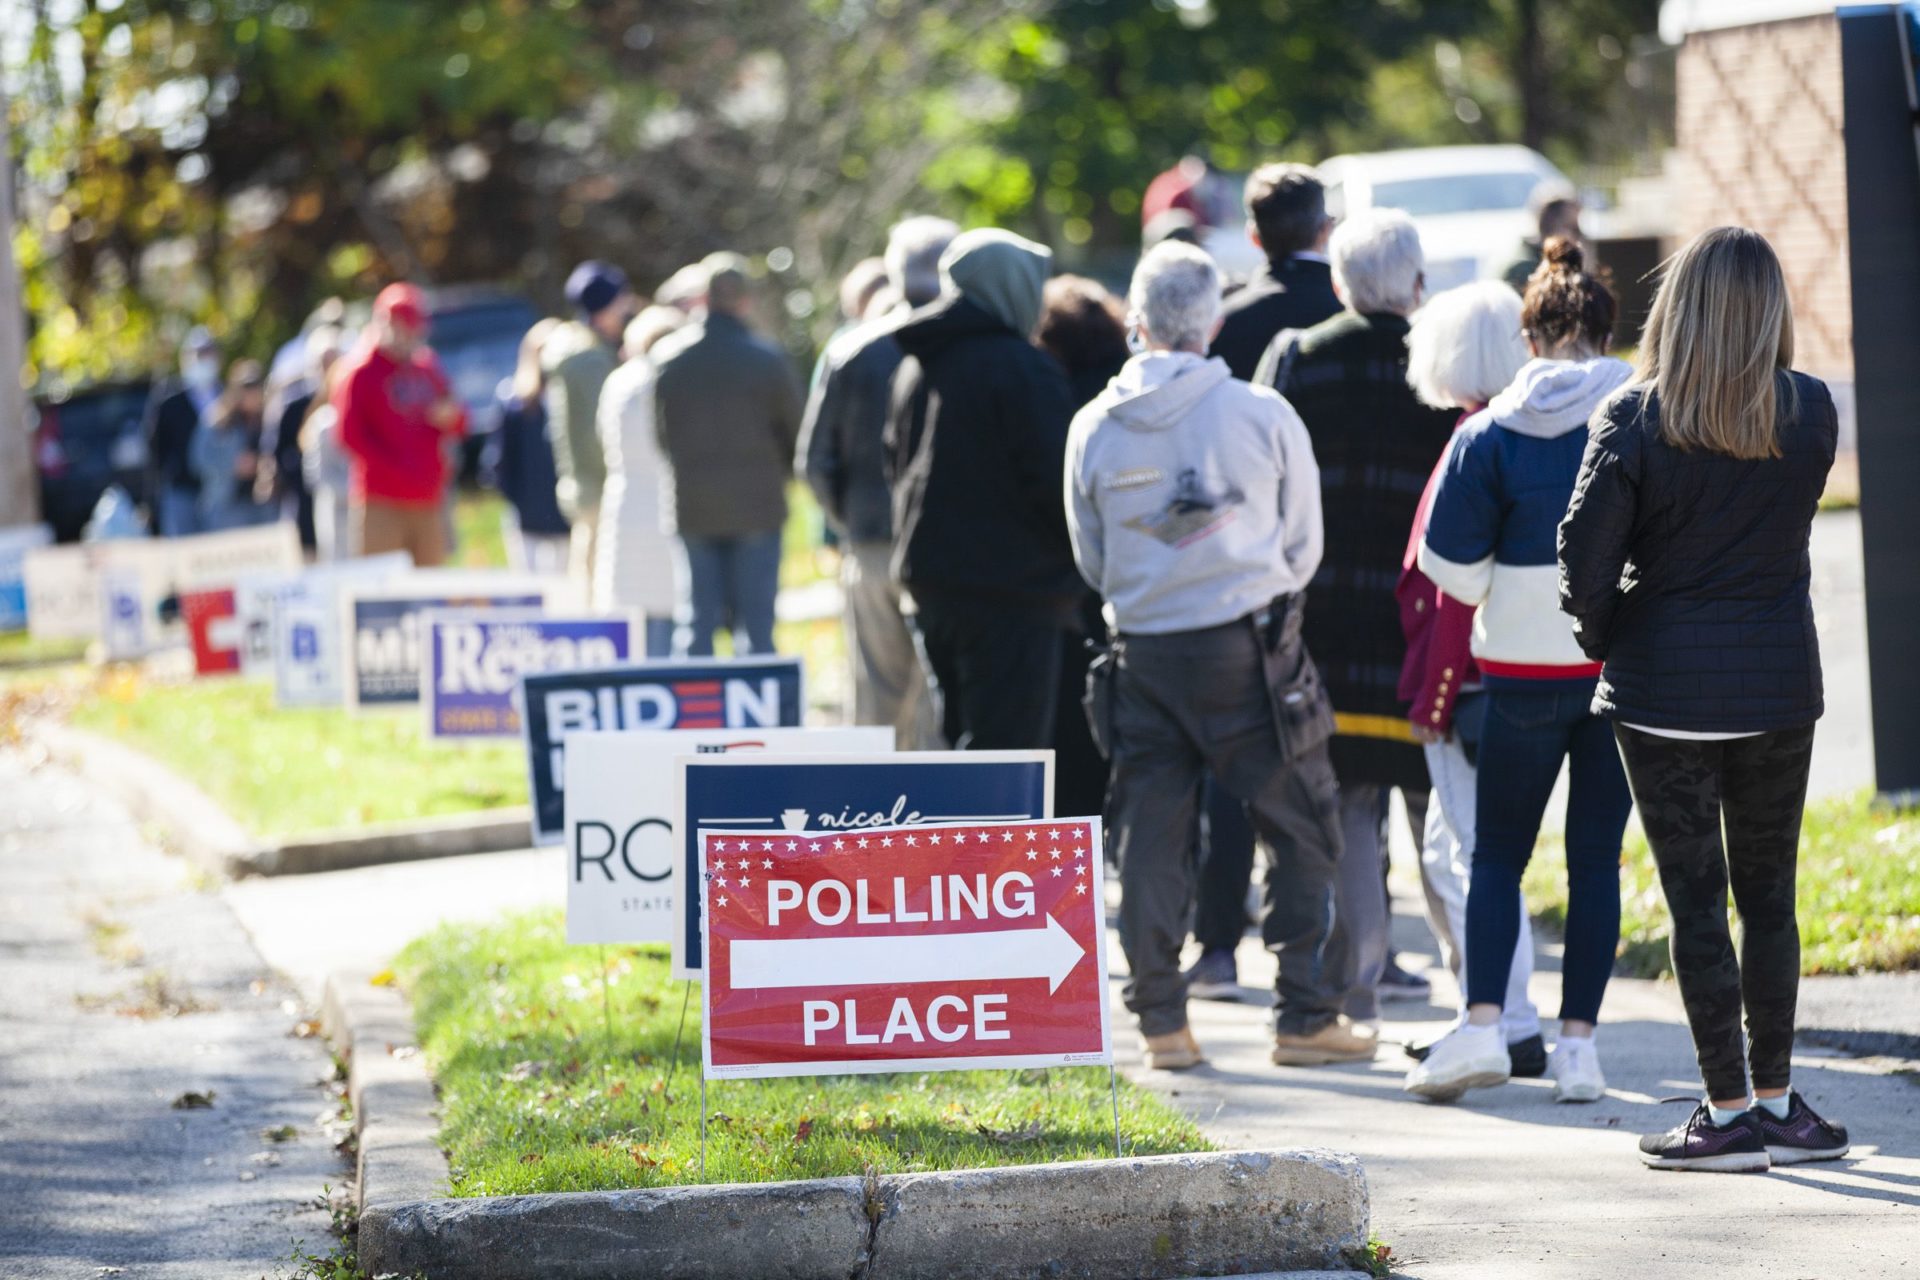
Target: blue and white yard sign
797 800
14 545
384 641
743 693
470 687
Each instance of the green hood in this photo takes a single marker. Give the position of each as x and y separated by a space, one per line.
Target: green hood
999 272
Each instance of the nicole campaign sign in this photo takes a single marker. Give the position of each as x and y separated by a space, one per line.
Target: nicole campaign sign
470 687
916 948
791 796
745 693
621 841
383 633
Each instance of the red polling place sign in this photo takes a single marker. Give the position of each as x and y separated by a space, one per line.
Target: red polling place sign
928 947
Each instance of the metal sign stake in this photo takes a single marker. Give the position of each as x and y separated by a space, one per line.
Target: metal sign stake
1113 1091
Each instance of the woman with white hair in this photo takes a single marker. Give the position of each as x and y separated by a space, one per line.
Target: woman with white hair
1193 502
1377 444
1464 348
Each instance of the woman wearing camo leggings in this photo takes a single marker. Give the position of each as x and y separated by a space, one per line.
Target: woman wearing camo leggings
1683 560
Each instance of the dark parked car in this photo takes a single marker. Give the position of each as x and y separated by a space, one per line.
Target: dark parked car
84 441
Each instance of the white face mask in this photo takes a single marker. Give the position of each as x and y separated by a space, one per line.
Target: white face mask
201 372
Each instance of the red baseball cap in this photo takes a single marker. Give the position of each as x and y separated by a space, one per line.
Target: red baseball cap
403 304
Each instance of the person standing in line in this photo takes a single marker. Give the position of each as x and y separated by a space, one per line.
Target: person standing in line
843 459
1490 542
1287 219
284 472
395 409
1683 562
1194 506
726 413
577 356
633 568
225 454
329 472
1084 328
538 536
1347 378
976 438
1558 214
174 415
1464 348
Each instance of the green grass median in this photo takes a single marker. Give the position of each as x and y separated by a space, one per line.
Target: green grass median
536 1095
1859 893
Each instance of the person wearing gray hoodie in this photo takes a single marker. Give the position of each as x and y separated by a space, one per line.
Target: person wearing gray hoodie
1193 502
975 440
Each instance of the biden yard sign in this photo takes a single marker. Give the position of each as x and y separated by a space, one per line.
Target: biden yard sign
915 948
471 683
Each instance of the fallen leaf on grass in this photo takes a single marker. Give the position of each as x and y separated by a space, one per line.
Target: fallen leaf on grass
532 1157
523 1071
1009 1137
193 1100
641 1158
616 1089
803 1131
384 978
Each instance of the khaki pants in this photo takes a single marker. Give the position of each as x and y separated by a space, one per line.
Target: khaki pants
416 527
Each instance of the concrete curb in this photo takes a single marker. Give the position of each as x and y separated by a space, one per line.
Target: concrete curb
1301 1213
204 832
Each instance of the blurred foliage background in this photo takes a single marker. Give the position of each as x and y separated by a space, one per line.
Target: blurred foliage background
234 162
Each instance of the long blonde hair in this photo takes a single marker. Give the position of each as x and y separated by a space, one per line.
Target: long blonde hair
1717 345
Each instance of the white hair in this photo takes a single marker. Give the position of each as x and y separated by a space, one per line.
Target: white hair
1377 261
1465 345
914 247
1175 295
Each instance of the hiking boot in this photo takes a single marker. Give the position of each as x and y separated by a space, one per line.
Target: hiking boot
1342 1040
1700 1145
1802 1136
1576 1072
1213 976
1175 1051
1467 1057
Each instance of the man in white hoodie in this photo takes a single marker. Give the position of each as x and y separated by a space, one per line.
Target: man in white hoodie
1193 501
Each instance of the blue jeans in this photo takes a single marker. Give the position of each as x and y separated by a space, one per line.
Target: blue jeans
1529 732
659 637
178 512
726 582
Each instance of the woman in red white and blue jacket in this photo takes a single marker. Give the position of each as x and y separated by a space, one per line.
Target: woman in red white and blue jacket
1490 541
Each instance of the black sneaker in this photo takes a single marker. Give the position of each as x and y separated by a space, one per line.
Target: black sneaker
1397 984
1213 976
1701 1145
1802 1136
1529 1057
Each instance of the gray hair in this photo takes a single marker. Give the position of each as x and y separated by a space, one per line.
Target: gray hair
1377 261
914 246
1175 295
1465 345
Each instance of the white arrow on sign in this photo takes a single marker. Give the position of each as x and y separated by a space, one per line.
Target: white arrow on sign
1048 952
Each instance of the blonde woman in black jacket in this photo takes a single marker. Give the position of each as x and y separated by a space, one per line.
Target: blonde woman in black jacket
1683 560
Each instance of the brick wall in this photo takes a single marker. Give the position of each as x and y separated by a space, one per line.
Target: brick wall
1759 134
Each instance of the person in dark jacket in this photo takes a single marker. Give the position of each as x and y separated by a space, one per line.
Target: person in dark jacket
225 454
727 412
1347 378
1489 542
174 416
976 440
520 460
283 474
1683 561
1287 218
842 459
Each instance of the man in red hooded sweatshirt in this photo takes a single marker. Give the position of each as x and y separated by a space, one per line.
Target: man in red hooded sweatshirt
396 410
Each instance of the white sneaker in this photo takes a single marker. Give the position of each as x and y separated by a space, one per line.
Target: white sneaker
1467 1057
1575 1069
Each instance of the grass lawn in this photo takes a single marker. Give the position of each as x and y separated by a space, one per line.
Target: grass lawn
535 1098
281 773
1859 893
18 649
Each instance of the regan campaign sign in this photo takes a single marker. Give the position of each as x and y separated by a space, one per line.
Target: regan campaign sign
470 687
792 797
621 843
747 693
915 948
384 639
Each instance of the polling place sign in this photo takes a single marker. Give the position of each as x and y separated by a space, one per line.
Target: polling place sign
470 687
621 842
745 693
383 640
916 948
793 797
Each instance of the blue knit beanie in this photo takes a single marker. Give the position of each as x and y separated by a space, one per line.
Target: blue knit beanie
595 284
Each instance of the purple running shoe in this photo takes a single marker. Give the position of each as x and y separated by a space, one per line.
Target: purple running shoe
1802 1136
1701 1145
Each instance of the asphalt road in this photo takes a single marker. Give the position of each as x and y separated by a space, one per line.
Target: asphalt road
99 1174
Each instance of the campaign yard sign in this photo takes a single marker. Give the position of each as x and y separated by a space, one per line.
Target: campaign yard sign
470 688
15 542
620 837
213 630
383 638
915 948
304 626
792 796
744 693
